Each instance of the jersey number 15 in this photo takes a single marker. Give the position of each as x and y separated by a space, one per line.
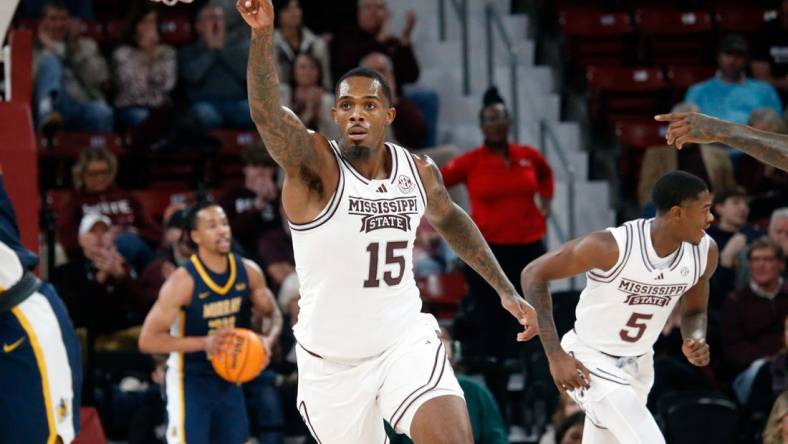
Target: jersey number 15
373 281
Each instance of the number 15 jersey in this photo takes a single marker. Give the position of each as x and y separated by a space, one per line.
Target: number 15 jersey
355 262
623 310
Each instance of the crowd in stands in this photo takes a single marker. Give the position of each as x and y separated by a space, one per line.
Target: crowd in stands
158 89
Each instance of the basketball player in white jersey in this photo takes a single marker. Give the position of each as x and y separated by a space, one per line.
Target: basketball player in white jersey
636 274
365 352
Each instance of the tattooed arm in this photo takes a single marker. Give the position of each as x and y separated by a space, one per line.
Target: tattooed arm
770 148
285 136
463 236
693 314
595 251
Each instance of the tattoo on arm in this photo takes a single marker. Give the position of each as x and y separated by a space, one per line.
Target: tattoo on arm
539 297
463 236
284 135
770 148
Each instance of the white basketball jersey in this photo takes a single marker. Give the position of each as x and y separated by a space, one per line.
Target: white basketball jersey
355 262
622 310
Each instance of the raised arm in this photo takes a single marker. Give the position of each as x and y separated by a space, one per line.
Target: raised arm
596 251
770 148
463 236
693 314
285 136
155 336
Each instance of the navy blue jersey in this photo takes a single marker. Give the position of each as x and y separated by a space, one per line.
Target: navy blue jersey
218 301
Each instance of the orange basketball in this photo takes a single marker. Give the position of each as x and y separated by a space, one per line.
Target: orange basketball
242 358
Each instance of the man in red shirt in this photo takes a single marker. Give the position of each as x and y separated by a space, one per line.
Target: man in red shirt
510 188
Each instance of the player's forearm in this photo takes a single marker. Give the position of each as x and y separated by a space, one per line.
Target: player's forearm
275 328
693 325
464 237
771 148
262 79
537 294
285 137
165 343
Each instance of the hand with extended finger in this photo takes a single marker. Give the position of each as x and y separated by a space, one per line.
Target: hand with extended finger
691 127
259 14
568 373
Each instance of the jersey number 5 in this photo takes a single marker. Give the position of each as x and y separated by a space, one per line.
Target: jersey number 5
391 258
640 327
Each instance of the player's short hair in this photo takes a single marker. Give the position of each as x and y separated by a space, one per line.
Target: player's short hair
763 243
191 219
728 193
60 5
257 155
676 187
370 74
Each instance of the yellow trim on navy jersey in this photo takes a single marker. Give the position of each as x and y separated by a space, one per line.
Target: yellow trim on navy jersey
42 368
221 291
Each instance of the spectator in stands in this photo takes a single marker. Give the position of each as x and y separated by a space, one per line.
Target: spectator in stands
253 208
770 52
486 420
34 9
275 251
292 38
708 162
570 431
69 73
510 188
730 95
99 287
732 234
177 251
372 33
95 191
761 180
431 254
148 423
778 228
213 73
566 408
776 431
409 128
145 69
753 318
307 98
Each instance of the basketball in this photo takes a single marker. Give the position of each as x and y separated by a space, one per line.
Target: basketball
242 358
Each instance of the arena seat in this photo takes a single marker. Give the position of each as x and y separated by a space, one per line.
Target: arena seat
682 412
593 37
442 293
639 134
620 92
67 144
745 21
175 30
670 36
91 431
681 77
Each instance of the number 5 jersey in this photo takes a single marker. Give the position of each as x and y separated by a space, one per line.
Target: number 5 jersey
355 262
622 310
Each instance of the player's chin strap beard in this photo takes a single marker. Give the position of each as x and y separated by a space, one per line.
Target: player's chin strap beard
356 152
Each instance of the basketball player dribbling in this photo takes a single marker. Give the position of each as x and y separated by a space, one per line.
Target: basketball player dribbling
636 274
365 352
214 291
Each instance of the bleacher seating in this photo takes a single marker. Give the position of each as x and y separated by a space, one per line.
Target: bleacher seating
622 92
669 36
442 293
599 38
